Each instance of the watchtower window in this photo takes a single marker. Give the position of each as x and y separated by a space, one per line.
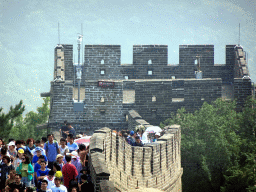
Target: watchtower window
102 62
128 96
149 62
149 72
102 71
82 93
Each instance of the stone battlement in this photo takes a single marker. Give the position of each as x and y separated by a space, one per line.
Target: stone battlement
156 165
109 90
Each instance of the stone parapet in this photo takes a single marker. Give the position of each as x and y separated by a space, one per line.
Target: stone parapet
156 165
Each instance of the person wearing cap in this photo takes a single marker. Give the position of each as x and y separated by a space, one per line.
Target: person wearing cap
38 151
12 150
59 160
76 162
157 135
27 151
131 138
57 170
38 144
18 159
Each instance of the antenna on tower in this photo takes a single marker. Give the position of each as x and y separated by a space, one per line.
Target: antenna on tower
82 44
59 32
239 36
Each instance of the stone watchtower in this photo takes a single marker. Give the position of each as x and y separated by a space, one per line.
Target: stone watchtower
149 85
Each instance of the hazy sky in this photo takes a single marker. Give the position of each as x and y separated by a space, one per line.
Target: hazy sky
29 33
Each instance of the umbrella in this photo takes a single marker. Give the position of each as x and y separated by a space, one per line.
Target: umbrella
83 140
153 129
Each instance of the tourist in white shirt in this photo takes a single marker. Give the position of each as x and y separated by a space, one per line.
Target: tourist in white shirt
58 187
50 179
63 147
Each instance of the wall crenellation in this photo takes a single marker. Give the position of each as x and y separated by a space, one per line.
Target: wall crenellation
149 85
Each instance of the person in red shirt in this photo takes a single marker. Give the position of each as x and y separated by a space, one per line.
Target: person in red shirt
69 171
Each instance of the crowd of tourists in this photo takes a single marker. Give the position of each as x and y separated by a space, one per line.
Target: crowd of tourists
135 138
45 165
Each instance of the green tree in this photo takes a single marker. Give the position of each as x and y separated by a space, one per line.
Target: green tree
208 143
6 120
29 123
241 175
18 130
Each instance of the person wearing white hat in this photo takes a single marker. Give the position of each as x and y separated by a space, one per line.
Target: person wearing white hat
157 135
38 151
12 150
76 162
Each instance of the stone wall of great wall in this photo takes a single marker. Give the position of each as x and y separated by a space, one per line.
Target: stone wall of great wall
116 165
149 85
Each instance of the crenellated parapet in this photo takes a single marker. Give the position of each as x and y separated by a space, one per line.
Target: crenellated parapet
156 165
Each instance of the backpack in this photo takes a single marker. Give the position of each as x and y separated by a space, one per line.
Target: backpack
56 145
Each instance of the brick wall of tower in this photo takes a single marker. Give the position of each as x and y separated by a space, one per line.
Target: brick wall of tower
94 54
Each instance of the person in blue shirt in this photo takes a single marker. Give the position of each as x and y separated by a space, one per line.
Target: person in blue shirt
38 154
52 150
71 145
71 130
137 142
37 167
41 173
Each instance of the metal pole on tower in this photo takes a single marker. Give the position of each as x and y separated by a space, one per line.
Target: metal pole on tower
59 32
239 36
78 69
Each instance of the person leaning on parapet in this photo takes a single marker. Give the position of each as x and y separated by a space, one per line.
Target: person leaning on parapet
131 138
157 135
63 130
137 142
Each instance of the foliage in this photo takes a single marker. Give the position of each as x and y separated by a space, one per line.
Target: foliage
26 128
213 141
7 120
241 174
